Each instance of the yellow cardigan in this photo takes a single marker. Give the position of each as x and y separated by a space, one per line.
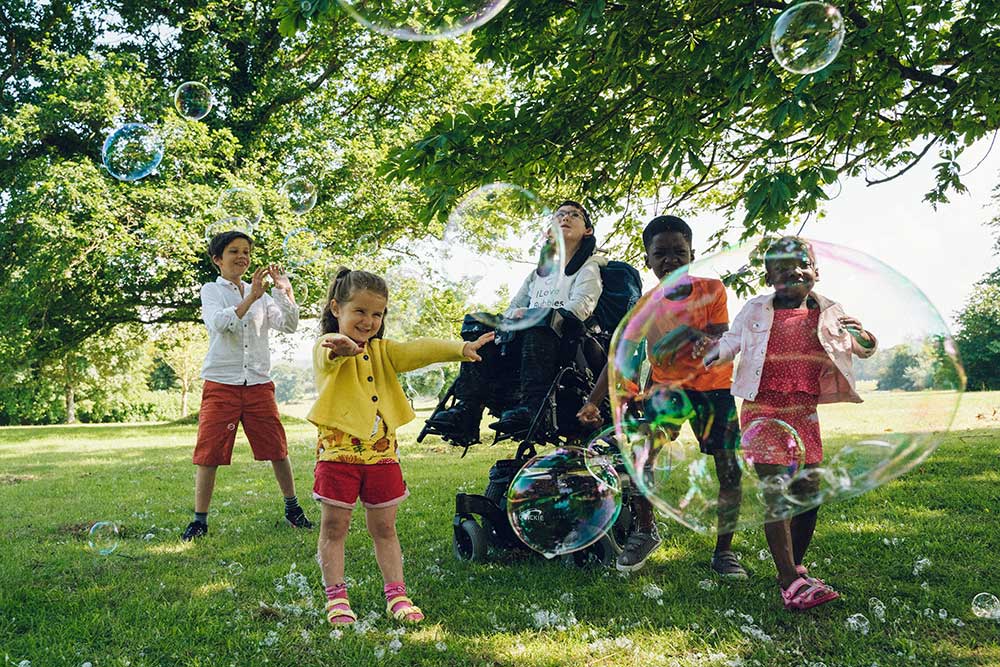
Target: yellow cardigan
352 389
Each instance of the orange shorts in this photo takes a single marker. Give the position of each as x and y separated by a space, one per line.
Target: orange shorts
225 405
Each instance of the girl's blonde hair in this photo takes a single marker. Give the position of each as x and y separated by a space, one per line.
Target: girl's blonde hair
344 286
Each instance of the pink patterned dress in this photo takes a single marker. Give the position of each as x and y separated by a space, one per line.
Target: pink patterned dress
789 387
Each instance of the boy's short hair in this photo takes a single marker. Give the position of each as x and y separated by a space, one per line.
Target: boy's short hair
575 204
785 247
665 223
219 242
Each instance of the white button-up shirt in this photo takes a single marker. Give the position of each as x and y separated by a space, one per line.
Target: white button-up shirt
238 351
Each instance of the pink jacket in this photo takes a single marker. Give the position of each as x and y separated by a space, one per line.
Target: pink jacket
752 328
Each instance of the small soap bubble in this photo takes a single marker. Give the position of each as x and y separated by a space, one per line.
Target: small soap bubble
302 247
807 37
858 623
423 386
235 568
232 223
877 608
300 193
986 605
103 538
242 203
193 100
132 151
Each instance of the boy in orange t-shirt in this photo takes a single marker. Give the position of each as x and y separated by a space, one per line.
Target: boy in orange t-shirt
687 317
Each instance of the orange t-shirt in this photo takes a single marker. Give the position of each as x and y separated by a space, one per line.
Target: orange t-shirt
670 329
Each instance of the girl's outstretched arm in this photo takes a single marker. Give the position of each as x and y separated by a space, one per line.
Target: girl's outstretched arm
863 343
471 350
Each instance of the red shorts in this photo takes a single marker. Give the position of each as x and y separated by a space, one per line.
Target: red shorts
225 405
341 484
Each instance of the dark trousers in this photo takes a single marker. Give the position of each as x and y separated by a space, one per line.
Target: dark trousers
516 372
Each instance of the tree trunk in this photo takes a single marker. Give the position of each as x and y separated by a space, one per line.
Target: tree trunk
70 404
184 399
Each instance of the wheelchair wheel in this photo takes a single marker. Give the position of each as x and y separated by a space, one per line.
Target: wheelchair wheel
470 541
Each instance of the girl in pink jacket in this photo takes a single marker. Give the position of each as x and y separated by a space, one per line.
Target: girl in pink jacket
796 351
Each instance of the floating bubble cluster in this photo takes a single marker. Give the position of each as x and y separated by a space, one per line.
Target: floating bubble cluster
513 219
807 37
422 20
561 502
788 458
103 538
300 194
193 100
132 151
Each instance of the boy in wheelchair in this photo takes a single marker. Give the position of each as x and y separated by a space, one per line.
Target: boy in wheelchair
518 375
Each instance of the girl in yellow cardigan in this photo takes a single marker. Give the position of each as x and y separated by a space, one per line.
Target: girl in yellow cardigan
359 407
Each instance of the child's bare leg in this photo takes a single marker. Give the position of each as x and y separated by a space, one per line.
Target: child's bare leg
204 484
803 525
802 528
727 471
334 523
778 533
388 554
283 473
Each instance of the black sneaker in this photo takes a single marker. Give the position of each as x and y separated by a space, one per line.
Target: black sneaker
194 529
297 518
726 565
637 549
515 419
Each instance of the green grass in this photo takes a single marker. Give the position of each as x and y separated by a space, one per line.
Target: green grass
157 601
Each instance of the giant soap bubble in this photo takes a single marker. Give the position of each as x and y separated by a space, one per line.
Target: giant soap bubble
132 151
807 37
241 202
563 502
511 224
422 20
791 455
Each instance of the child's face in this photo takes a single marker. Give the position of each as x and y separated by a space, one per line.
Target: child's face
793 275
572 224
667 252
235 259
360 318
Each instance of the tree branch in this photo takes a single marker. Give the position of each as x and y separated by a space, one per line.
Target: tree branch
905 169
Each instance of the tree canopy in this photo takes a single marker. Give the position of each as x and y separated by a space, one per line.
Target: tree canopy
81 252
682 101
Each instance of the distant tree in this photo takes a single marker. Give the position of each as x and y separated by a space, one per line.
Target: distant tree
896 374
978 337
183 347
162 377
291 383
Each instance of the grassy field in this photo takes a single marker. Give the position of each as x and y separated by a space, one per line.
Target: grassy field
250 593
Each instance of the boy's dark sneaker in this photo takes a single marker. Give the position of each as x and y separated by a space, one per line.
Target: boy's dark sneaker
726 565
194 529
637 549
297 518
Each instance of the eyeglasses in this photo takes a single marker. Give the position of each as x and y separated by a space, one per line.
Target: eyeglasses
559 215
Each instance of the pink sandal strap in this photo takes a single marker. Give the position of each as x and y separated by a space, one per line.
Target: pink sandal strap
804 594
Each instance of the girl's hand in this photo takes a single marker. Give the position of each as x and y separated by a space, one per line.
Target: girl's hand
855 328
517 313
471 350
342 346
711 357
701 346
589 415
257 287
280 279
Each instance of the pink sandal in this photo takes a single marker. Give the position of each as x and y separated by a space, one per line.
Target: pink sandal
804 594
